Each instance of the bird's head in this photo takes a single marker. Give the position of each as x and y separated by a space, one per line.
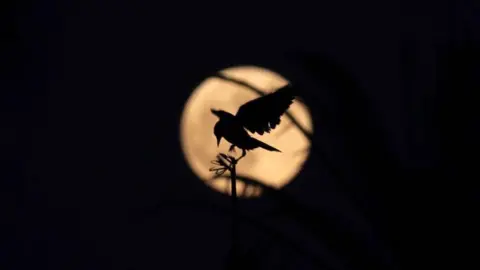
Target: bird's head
217 131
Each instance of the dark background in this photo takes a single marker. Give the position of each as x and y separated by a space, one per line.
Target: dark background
93 176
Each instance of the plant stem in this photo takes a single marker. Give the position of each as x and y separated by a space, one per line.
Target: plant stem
233 177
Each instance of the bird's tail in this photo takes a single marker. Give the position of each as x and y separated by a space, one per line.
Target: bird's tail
266 146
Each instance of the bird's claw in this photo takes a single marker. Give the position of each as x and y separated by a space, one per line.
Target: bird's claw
223 159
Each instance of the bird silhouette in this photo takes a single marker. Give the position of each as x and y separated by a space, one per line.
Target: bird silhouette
260 115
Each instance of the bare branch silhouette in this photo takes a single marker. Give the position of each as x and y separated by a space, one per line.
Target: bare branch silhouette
301 151
284 130
247 181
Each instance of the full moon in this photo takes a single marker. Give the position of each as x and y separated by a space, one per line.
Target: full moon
228 91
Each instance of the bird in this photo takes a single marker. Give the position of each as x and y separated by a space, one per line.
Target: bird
260 115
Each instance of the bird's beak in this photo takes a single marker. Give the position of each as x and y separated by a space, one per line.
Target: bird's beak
215 112
219 138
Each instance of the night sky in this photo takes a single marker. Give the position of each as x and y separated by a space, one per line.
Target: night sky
93 175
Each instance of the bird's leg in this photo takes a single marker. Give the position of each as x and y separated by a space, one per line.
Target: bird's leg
232 148
244 153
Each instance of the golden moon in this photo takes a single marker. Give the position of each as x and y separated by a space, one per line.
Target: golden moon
228 92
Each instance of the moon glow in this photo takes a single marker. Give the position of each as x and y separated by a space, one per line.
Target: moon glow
269 168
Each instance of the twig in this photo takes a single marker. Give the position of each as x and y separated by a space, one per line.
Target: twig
229 163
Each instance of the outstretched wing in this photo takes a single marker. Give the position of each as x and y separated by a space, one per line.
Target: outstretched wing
263 114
